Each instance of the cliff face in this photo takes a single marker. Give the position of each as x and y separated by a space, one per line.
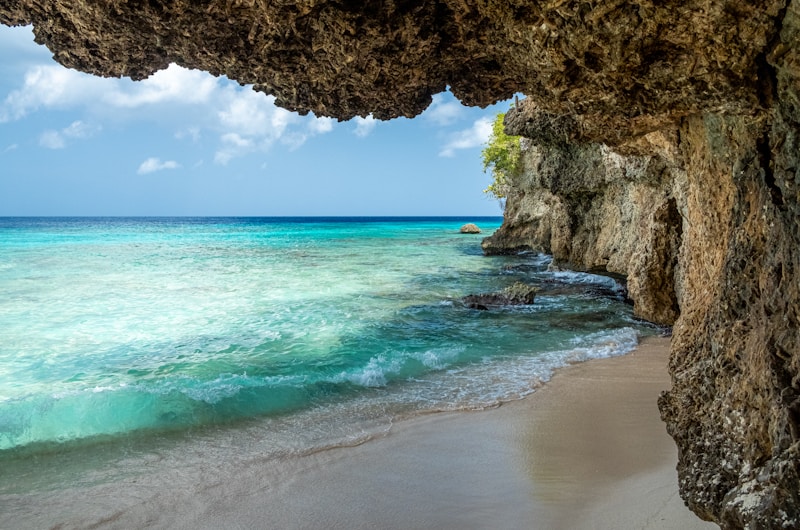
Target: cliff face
734 405
664 142
704 220
595 209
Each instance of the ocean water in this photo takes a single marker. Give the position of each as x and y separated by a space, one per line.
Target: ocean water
287 335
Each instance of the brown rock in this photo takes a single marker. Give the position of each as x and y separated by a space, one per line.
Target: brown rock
470 228
596 210
616 68
516 294
705 223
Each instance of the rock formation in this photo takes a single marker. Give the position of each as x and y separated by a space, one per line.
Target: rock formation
664 144
596 210
470 228
518 293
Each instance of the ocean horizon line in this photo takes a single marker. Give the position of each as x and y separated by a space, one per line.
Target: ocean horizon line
276 217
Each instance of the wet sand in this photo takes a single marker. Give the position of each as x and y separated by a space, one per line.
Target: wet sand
587 450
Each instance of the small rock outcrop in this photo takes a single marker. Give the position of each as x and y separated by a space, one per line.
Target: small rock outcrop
470 228
518 293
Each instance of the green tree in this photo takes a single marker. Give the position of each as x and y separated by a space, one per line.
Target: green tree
501 155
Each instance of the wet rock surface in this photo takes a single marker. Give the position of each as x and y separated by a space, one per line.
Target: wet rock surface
518 293
664 145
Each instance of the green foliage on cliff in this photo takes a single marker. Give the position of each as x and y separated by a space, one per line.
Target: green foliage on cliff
501 155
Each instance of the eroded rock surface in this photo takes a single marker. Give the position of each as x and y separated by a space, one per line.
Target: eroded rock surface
665 145
614 65
517 293
596 210
703 217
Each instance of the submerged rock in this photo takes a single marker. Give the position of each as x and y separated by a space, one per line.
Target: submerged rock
517 294
470 228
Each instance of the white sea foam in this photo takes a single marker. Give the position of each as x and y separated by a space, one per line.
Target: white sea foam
373 374
487 383
585 278
496 380
379 369
214 391
440 358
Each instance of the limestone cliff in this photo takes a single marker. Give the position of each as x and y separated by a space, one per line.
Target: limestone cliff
704 220
665 145
595 209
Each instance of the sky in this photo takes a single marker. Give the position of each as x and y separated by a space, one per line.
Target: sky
185 143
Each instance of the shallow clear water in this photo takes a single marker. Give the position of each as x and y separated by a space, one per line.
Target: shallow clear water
315 330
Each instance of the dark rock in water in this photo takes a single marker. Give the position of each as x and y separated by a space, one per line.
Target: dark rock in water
470 228
517 294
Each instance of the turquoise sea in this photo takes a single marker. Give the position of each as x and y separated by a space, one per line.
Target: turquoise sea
119 334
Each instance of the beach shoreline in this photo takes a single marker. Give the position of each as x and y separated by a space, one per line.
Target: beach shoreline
599 445
586 450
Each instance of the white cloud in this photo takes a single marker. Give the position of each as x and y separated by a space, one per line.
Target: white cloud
443 112
364 126
321 125
50 86
191 132
173 84
155 164
475 136
11 147
235 140
251 122
281 118
53 139
192 101
53 86
247 114
224 155
293 140
233 145
79 129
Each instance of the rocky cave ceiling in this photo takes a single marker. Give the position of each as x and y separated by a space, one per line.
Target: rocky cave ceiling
612 64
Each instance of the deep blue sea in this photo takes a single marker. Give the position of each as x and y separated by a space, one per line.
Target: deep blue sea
314 332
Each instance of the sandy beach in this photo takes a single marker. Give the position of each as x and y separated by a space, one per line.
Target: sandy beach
587 450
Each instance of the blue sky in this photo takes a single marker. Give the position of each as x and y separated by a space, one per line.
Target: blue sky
186 143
